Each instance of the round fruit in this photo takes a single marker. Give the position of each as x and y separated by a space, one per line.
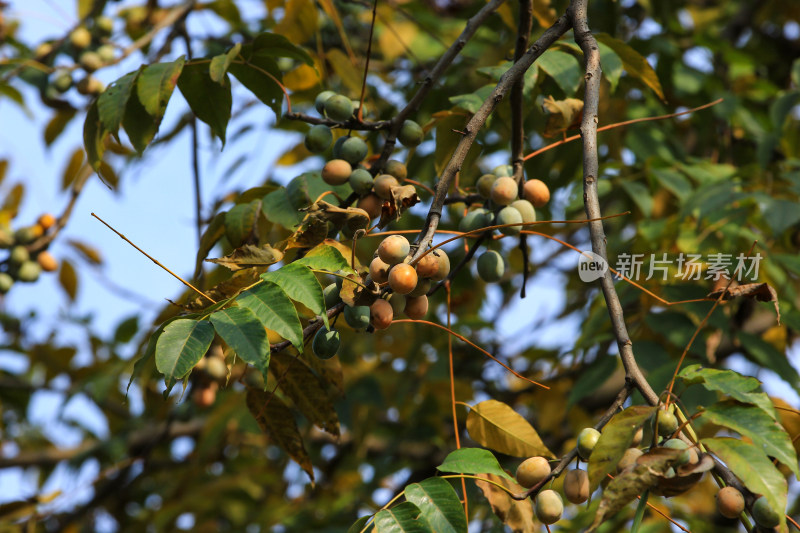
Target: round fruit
587 439
509 215
326 342
637 437
422 288
444 265
104 24
361 181
396 168
384 184
503 171
62 82
6 282
353 150
549 507
19 254
90 85
504 191
29 271
204 397
356 106
90 61
46 221
28 234
532 471
357 317
80 38
410 134
381 314
576 486
379 271
336 172
371 204
427 266
763 514
403 278
730 502
491 266
629 458
398 303
318 139
484 185
475 220
525 209
216 367
331 295
416 307
47 261
339 108
319 102
43 50
393 249
678 444
667 423
107 53
6 239
536 192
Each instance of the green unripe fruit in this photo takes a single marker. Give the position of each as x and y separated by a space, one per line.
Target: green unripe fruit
509 215
503 171
318 139
90 61
383 185
331 295
629 458
19 254
484 185
678 444
90 86
730 502
339 108
357 317
491 267
576 486
42 50
475 220
326 343
532 471
337 147
410 134
504 191
336 172
29 271
6 239
396 168
525 209
107 53
319 102
763 514
27 234
356 105
549 507
285 64
216 367
104 25
361 181
80 38
62 82
398 303
353 150
667 423
393 249
587 439
6 282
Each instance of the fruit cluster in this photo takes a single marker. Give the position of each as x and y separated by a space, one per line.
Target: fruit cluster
21 265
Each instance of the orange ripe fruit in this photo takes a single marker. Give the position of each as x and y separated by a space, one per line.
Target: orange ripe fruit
536 192
47 261
504 191
427 266
379 271
336 172
444 265
371 204
402 278
46 221
416 308
381 314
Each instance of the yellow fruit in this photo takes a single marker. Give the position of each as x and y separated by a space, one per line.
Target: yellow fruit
730 502
576 486
532 471
504 191
383 185
393 249
536 192
549 507
46 221
587 439
403 278
47 261
427 266
444 265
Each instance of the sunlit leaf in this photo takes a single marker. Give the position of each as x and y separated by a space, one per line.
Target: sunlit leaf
245 334
219 64
635 64
744 389
301 285
516 514
156 83
497 426
275 310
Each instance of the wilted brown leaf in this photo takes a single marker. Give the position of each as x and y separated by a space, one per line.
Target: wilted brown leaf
249 256
761 292
320 219
563 115
402 198
686 477
516 514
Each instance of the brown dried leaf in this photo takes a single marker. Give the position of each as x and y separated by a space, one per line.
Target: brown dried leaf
516 514
225 289
686 477
90 253
402 198
320 219
249 256
350 291
563 115
762 292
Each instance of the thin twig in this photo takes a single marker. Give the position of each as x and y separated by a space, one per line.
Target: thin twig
366 64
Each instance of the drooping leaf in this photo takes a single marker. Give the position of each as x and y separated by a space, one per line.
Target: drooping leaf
615 438
439 505
402 518
209 100
276 419
220 64
611 64
401 198
349 74
240 222
180 346
275 45
213 233
562 115
261 75
635 64
306 390
754 468
472 461
301 285
74 166
57 124
744 389
111 104
563 68
761 292
516 514
68 279
497 426
156 83
94 135
325 257
249 256
299 21
278 209
140 126
753 422
245 334
88 252
275 311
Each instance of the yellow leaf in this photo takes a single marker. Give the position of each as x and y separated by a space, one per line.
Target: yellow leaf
395 38
634 63
497 426
299 22
507 16
301 78
516 514
543 13
350 75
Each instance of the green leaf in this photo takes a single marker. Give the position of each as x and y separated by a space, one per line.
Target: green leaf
472 461
768 356
275 311
780 214
304 189
240 222
220 64
639 194
635 64
563 68
139 125
306 390
497 426
752 422
210 101
242 331
611 65
731 383
615 438
259 75
94 135
754 468
591 377
112 102
439 504
402 518
674 182
279 210
150 350
272 44
359 524
180 346
301 285
156 83
324 257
